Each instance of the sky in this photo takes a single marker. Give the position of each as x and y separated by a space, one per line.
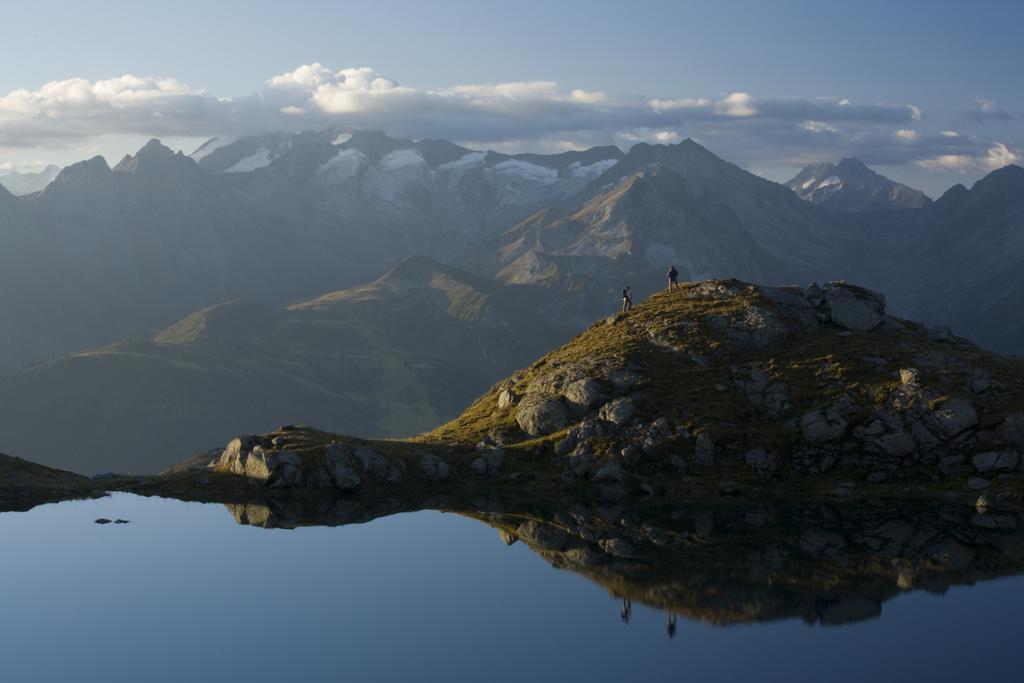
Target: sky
928 93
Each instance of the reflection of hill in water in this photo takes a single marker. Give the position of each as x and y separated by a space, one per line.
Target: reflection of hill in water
822 563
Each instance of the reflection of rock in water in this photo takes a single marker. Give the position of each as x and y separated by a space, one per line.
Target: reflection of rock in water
822 563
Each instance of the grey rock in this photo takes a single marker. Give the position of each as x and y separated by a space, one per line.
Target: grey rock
609 473
585 393
489 463
433 468
373 463
854 309
618 546
897 444
821 542
538 416
910 377
704 450
1005 461
542 535
506 399
814 294
953 417
618 412
978 484
1012 429
763 462
820 426
507 537
341 465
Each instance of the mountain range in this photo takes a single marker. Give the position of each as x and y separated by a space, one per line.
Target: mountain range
102 262
21 183
852 186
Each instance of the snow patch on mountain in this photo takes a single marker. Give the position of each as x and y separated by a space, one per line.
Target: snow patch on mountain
341 139
251 162
211 146
402 158
591 171
339 168
515 170
471 160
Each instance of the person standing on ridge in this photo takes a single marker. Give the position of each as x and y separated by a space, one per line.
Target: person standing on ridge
627 299
672 275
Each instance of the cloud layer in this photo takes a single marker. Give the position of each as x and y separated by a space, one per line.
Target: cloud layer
536 115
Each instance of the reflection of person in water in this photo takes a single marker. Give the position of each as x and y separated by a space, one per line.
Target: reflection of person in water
671 625
627 609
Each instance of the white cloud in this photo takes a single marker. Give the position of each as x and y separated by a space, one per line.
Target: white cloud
948 162
949 134
905 135
736 104
667 137
818 127
292 109
998 156
680 103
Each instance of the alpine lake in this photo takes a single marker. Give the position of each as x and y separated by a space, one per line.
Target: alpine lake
497 590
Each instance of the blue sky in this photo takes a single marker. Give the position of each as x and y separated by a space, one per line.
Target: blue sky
747 79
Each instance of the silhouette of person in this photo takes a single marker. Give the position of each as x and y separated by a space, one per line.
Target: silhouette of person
627 299
671 625
626 611
672 275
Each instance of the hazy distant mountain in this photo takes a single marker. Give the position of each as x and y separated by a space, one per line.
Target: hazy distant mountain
966 263
20 184
391 358
663 205
852 186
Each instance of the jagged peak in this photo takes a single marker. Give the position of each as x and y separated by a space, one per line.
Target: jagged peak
96 167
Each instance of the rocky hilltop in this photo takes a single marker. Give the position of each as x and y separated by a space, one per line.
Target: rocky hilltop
719 389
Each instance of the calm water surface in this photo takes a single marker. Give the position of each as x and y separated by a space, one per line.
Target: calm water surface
183 593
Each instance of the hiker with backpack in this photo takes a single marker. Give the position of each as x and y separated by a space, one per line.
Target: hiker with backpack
627 299
672 275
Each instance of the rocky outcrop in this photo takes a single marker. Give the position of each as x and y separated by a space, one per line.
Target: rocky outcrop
539 415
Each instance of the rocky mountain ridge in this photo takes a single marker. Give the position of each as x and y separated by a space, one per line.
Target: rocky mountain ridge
852 186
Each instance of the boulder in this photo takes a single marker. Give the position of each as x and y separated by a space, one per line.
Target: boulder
542 535
538 416
910 377
489 463
819 426
854 308
978 484
763 462
953 417
341 465
704 450
897 444
609 473
618 412
584 393
372 463
1012 429
506 399
618 547
433 468
1006 461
